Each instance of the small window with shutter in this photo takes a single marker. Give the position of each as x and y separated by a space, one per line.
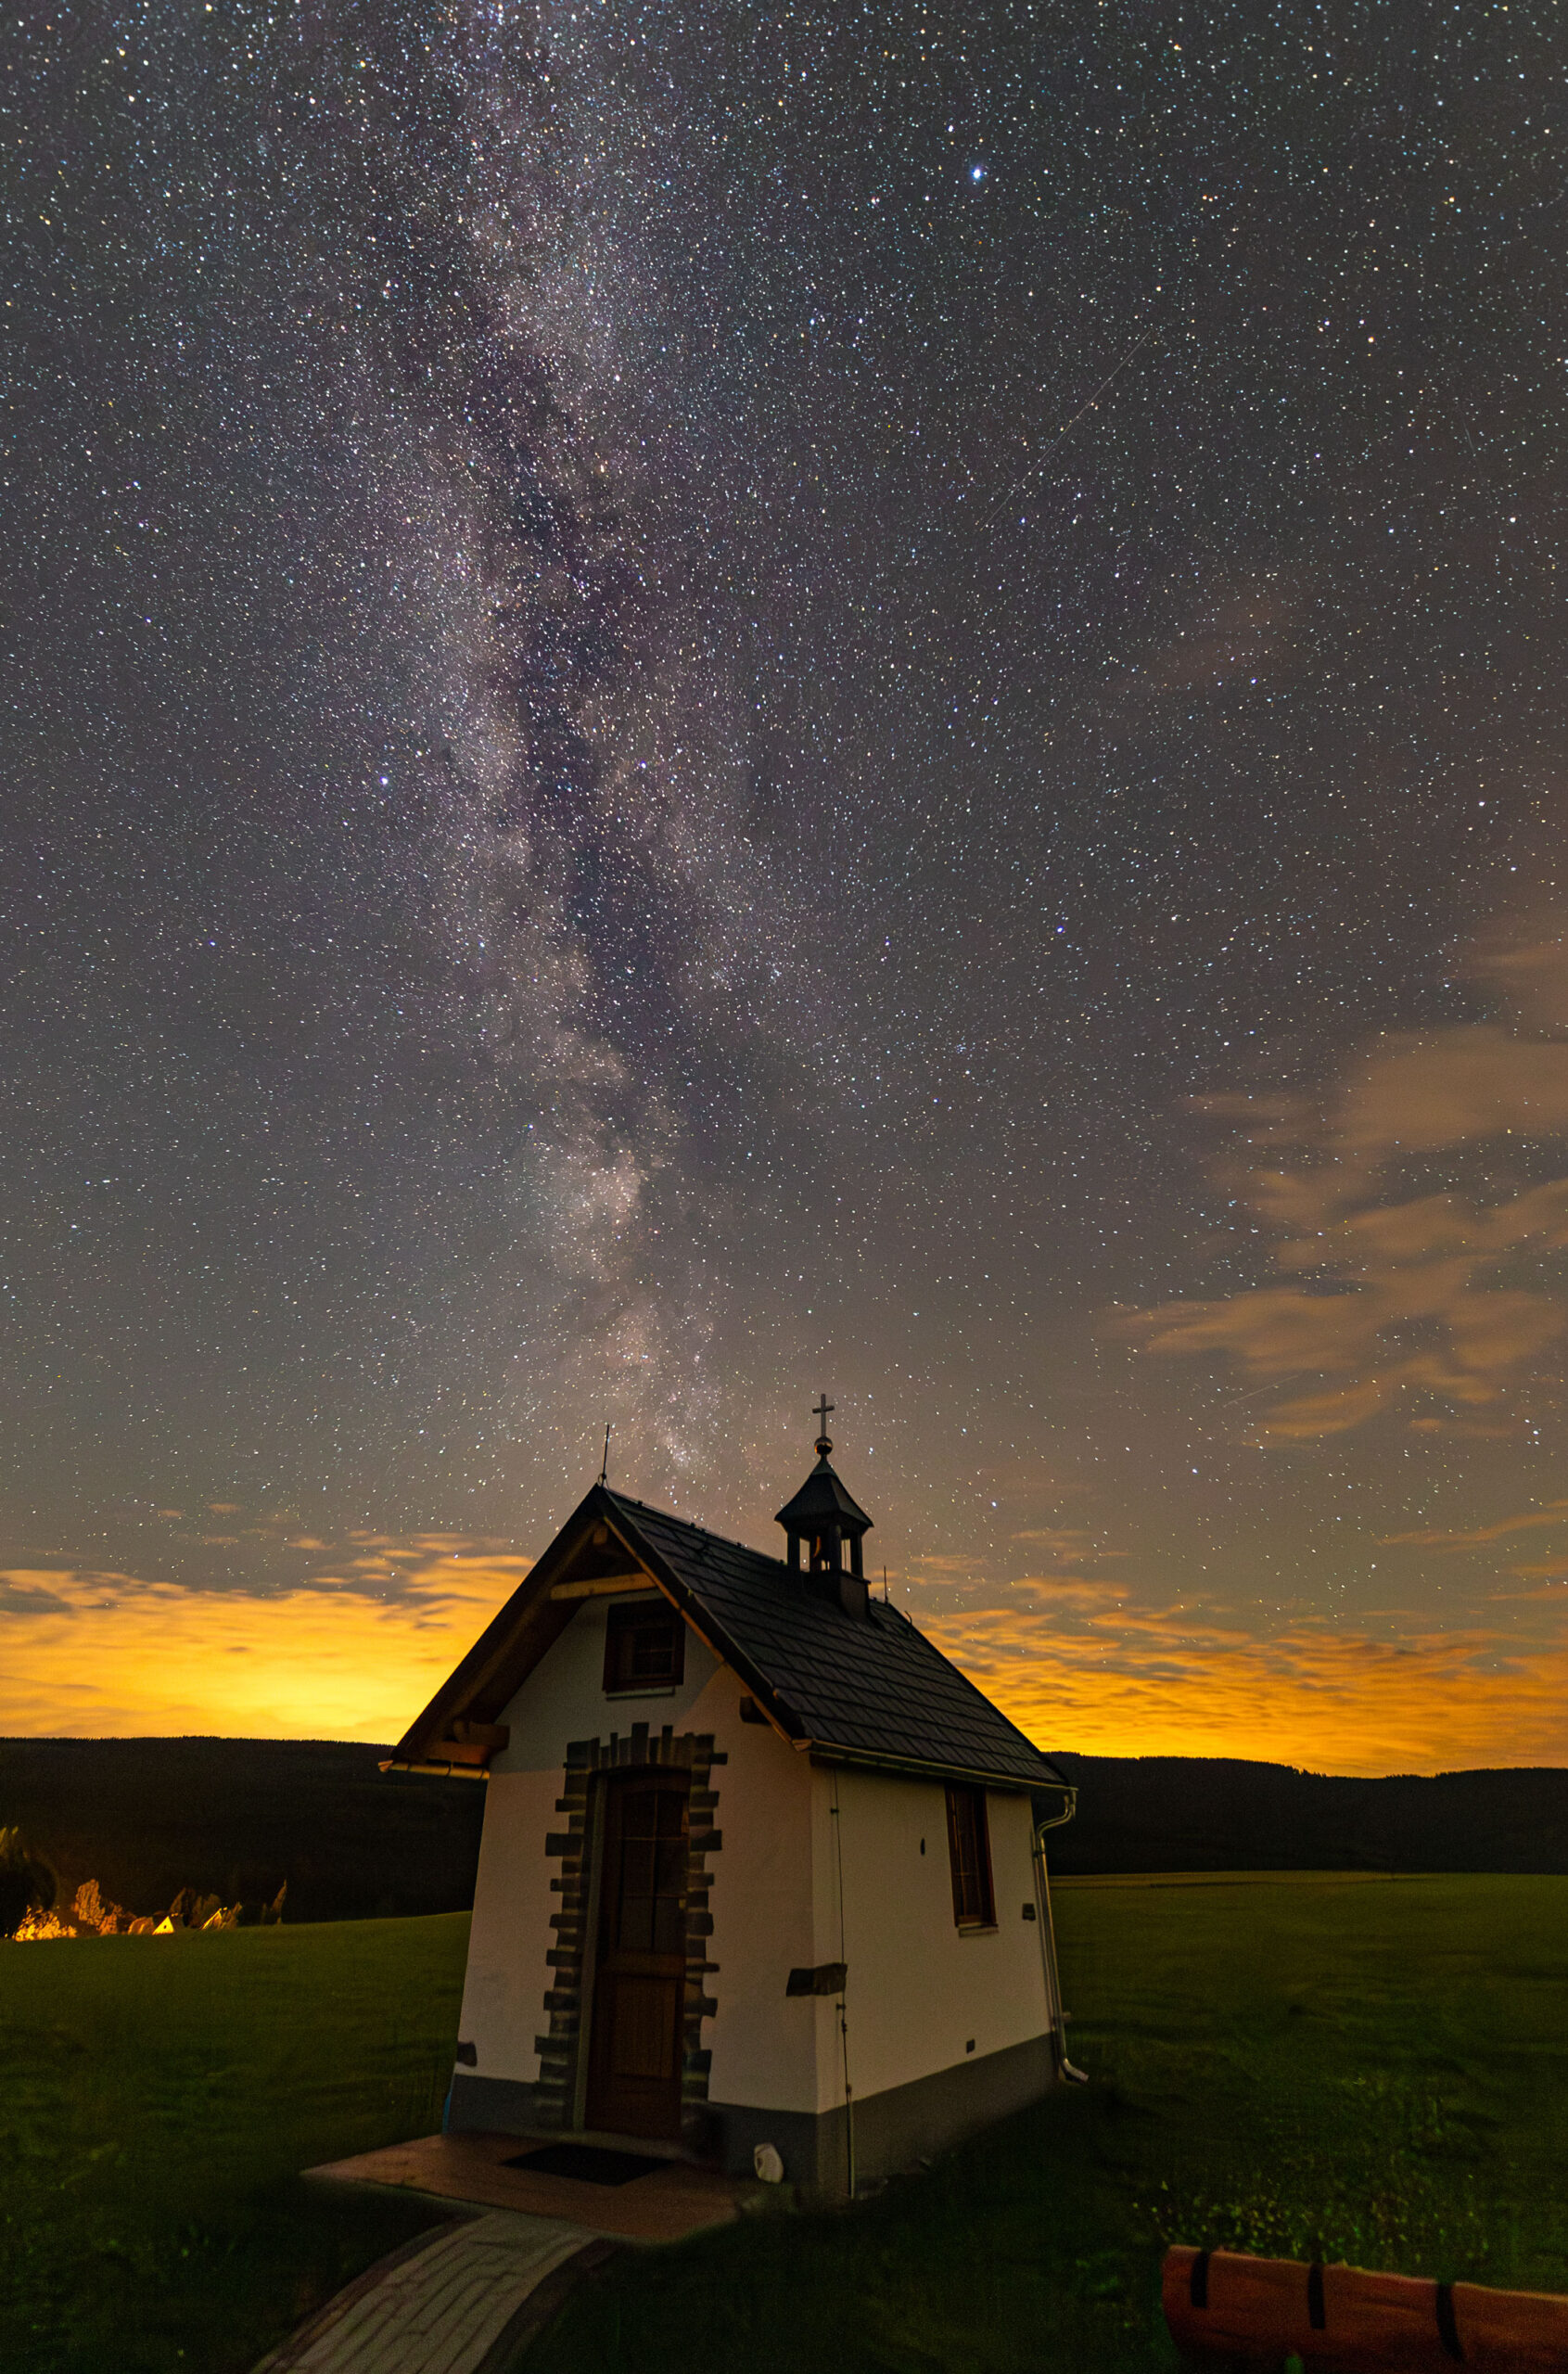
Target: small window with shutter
644 1648
969 1848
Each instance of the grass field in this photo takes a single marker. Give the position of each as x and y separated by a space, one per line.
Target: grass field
156 2097
1376 2070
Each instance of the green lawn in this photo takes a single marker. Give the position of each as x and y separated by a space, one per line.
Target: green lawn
1376 2070
156 2097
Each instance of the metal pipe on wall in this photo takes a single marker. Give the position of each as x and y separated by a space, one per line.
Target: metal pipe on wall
1048 1942
842 2013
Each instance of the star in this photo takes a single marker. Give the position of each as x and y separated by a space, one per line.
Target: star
636 739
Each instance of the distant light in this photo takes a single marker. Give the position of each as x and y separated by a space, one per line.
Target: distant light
977 173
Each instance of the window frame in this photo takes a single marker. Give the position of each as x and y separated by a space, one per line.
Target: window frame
621 1625
974 1907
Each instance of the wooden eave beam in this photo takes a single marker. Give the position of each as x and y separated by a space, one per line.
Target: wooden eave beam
517 1636
436 1770
605 1586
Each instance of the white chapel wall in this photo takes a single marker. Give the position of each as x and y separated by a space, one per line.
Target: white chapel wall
507 1975
764 2046
504 1984
564 1697
919 1988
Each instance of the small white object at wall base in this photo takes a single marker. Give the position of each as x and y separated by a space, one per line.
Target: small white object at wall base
768 2164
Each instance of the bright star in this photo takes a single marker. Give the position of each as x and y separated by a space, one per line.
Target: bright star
977 173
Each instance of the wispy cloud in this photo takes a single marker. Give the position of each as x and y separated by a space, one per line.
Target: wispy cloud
1170 1682
1083 1660
352 1654
1478 1537
1440 1303
1053 1593
1067 1545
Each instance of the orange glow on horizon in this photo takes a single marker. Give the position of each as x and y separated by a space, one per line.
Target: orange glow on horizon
108 1655
1162 1683
1077 1662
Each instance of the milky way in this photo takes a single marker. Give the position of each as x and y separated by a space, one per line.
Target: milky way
683 682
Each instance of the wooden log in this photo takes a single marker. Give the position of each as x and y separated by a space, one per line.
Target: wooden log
1222 2305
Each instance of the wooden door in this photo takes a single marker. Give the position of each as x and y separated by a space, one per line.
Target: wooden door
640 1977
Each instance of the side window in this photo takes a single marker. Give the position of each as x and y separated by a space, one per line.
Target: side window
969 1848
644 1648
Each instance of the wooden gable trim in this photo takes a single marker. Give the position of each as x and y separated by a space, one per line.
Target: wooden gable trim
604 1586
435 1768
516 1637
780 1717
448 1737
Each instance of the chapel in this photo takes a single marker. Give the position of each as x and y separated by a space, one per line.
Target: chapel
760 1866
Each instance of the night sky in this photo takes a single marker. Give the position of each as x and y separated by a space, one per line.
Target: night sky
708 702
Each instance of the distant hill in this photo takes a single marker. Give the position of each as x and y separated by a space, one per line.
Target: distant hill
1178 1813
236 1818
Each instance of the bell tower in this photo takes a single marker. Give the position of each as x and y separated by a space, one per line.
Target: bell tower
825 1519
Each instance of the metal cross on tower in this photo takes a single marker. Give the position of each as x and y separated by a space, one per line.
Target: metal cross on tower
822 1413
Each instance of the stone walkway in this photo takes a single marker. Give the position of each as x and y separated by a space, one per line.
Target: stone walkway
460 2301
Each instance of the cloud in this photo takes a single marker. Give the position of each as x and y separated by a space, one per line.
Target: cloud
1167 1681
1528 961
1477 1537
1078 1660
1439 1303
353 1653
1246 633
1080 1593
943 1566
27 1595
1068 1545
1550 1590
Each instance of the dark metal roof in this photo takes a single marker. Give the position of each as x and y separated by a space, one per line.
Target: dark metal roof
822 1499
869 1688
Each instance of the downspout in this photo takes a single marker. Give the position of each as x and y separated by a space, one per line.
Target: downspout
843 2011
1048 1943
